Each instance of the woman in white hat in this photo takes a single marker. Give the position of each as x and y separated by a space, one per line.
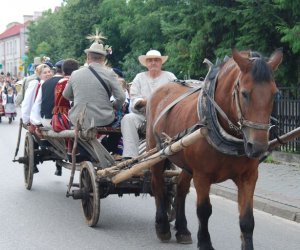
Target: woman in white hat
142 87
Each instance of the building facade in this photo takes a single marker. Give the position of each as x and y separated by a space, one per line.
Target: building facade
14 46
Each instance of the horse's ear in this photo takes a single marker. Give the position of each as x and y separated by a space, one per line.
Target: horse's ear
243 62
275 59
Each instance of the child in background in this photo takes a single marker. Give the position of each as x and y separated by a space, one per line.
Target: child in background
9 104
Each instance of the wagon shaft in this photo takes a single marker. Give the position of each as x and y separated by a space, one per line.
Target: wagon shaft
284 138
161 155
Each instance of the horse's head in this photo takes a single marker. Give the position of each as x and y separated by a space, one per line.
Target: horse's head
253 94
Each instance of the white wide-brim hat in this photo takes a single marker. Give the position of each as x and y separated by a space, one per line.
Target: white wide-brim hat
96 48
152 54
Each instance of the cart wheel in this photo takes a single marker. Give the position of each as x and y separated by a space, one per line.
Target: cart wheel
91 203
29 165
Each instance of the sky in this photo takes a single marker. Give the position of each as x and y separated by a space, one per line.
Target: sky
13 10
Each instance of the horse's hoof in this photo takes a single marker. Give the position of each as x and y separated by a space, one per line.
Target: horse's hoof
164 237
184 238
163 232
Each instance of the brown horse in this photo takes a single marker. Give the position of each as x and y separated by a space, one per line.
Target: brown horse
236 108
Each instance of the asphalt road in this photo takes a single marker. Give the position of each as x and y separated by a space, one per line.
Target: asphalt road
44 218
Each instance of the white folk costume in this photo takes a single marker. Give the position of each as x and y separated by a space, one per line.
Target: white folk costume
142 87
29 98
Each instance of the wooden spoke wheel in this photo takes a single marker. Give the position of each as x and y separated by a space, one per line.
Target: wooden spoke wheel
29 156
91 202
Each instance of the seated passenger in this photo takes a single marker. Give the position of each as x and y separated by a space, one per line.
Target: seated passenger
89 94
43 72
61 104
142 86
41 112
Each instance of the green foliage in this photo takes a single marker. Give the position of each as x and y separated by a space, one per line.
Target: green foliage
188 31
291 36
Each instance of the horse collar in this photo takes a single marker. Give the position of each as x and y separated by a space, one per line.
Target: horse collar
207 112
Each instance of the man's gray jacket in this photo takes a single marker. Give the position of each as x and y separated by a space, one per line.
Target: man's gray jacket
89 96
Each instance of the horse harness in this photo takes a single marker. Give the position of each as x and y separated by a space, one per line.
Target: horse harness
194 86
168 108
207 107
241 120
207 110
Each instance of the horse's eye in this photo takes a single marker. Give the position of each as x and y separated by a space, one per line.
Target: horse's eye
245 94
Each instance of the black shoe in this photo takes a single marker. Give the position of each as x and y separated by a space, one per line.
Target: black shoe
58 171
35 170
9 120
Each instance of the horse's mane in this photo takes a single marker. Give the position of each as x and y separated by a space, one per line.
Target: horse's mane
261 71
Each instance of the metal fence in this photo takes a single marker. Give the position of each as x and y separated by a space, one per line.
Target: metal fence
287 112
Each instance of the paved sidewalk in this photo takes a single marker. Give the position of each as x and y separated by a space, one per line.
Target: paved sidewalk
277 190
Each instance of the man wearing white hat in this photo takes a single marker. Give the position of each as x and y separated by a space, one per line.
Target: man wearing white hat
142 87
89 95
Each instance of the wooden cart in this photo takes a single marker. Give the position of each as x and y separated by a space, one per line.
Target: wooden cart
102 175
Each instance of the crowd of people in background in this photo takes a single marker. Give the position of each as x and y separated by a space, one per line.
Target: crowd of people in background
8 93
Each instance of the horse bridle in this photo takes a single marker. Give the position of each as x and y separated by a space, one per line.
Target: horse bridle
242 122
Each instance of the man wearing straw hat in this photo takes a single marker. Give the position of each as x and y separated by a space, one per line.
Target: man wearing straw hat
90 88
142 87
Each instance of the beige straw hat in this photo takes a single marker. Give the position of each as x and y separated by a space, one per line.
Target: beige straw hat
152 54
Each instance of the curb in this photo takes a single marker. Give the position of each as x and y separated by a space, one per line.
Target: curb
269 206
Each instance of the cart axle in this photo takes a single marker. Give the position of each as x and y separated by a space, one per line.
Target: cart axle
79 194
23 160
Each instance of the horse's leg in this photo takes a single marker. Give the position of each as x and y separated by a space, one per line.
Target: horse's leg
246 185
183 235
204 211
162 224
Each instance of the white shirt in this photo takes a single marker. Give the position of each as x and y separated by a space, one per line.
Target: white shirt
143 85
35 114
29 100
